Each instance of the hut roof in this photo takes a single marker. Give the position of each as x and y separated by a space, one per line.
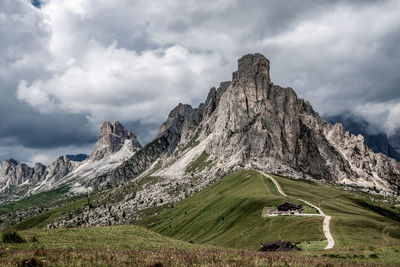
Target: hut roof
289 206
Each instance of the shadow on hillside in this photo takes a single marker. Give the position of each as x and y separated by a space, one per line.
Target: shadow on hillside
379 210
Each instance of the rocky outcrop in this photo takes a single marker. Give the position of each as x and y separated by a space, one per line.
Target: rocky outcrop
137 163
251 123
375 140
60 168
14 173
114 146
40 171
113 136
274 130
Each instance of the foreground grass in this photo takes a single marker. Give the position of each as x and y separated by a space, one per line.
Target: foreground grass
135 246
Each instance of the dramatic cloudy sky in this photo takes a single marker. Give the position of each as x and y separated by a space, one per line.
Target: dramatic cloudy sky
68 65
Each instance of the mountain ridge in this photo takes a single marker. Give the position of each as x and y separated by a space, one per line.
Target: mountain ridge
249 122
115 144
378 141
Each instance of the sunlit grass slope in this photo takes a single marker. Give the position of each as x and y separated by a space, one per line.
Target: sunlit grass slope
228 213
357 221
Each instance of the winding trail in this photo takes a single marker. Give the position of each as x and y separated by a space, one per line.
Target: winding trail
327 219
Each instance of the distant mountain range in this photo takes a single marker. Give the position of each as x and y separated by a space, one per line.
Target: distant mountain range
378 142
394 140
114 146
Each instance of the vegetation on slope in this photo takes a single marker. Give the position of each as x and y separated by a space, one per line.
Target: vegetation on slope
35 201
228 213
49 216
357 221
198 164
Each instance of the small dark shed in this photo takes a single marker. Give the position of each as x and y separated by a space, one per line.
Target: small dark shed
279 245
290 206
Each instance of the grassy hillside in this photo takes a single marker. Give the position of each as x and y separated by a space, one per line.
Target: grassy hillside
35 200
228 213
211 228
356 220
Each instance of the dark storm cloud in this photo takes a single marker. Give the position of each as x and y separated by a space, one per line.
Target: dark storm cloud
33 130
145 132
23 127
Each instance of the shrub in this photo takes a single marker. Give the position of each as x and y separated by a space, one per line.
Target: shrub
12 237
31 262
34 239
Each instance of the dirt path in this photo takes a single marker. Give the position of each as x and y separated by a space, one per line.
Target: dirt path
327 219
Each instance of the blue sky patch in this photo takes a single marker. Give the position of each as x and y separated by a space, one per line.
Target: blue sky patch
36 3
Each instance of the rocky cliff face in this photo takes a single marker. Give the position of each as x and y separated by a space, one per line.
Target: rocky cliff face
114 146
269 128
15 173
251 123
16 178
113 136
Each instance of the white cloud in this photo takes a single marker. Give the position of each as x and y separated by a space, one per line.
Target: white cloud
24 34
111 82
383 116
135 60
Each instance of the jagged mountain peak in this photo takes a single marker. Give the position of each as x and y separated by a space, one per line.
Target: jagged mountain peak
11 161
115 144
375 139
175 116
115 128
250 122
251 65
113 136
